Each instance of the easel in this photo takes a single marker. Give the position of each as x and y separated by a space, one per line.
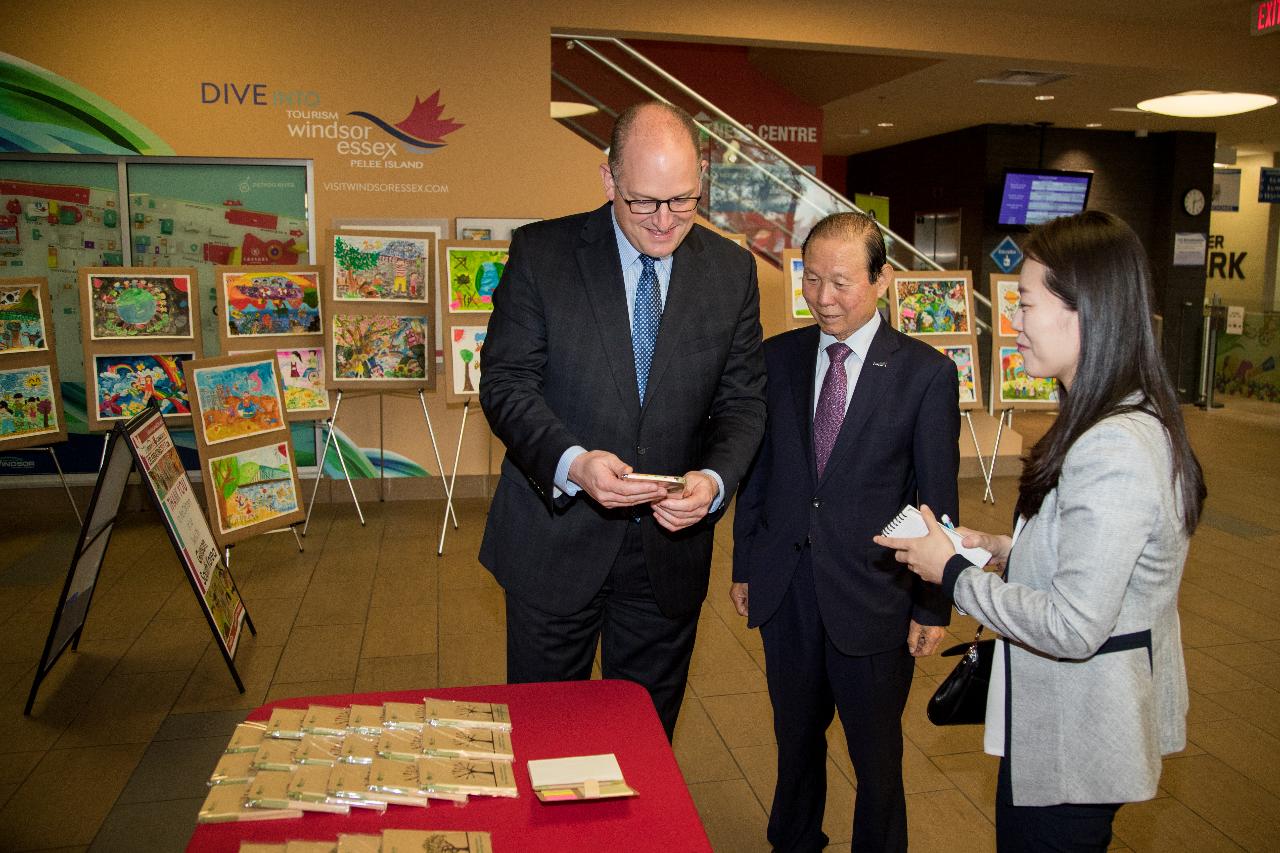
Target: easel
989 472
331 423
61 476
453 477
292 528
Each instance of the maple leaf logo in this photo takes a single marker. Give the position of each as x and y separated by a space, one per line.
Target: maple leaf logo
423 128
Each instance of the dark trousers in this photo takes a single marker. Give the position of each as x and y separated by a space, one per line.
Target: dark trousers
637 642
1065 828
808 679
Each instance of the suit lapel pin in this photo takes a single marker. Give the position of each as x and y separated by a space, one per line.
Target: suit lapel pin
879 364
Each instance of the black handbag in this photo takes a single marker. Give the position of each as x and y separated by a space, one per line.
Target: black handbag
961 699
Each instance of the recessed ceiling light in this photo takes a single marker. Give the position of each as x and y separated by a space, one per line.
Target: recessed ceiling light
1044 97
1094 124
1205 104
570 109
885 124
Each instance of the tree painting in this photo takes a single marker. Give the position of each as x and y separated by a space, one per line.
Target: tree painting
467 342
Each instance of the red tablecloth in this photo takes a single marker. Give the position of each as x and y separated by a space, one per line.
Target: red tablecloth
548 721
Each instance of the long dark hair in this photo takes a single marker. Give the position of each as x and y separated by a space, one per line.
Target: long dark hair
1096 265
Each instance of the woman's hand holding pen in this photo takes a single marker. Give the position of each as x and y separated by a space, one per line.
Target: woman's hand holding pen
927 555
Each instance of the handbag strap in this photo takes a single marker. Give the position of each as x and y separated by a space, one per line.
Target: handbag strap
1004 576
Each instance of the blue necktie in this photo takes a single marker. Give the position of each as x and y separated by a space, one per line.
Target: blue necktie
644 321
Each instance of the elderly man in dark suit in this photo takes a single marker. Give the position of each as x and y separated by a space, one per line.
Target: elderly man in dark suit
624 339
862 420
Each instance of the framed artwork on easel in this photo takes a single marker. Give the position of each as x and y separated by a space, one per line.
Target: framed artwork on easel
139 324
30 395
1012 388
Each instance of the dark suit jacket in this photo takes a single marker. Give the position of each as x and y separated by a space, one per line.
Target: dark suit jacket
558 370
899 444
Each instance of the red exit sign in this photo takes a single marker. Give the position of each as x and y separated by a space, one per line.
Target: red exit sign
1266 17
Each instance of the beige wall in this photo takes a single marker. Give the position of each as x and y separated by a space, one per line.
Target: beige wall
492 66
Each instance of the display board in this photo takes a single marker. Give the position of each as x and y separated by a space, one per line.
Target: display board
379 315
278 308
30 394
138 325
797 310
243 439
164 479
470 271
1011 387
937 308
86 561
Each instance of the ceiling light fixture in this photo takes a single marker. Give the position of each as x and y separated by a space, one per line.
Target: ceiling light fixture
1206 104
571 109
1094 124
1044 97
885 124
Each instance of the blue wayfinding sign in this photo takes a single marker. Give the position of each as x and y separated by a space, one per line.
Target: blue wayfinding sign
1007 255
1269 186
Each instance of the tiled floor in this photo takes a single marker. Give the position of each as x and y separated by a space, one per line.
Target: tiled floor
126 729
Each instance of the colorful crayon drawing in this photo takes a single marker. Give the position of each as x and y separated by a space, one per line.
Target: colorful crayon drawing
253 486
303 373
799 308
1007 302
21 320
238 400
140 306
473 277
467 342
932 306
26 403
380 269
963 357
260 304
477 234
1016 386
379 348
123 384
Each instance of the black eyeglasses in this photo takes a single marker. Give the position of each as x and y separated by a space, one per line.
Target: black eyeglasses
679 204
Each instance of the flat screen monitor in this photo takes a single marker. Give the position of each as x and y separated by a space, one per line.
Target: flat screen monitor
1032 196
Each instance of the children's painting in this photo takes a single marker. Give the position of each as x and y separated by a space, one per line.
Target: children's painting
467 341
1016 386
261 304
123 384
474 274
302 370
963 357
380 269
1006 302
238 400
799 308
21 320
253 486
140 306
932 306
26 403
379 347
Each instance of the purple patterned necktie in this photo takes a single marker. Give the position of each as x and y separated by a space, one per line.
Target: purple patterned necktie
830 413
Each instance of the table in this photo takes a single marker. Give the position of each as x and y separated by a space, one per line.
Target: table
551 720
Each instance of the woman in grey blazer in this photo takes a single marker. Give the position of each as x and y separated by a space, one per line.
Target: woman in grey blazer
1088 687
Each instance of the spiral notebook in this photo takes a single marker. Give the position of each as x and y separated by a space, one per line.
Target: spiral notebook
909 524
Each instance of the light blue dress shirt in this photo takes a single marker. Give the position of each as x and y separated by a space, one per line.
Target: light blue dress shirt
631 269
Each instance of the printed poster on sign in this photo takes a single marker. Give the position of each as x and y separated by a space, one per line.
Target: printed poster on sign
266 304
22 320
1017 386
139 306
380 269
160 464
27 405
124 384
